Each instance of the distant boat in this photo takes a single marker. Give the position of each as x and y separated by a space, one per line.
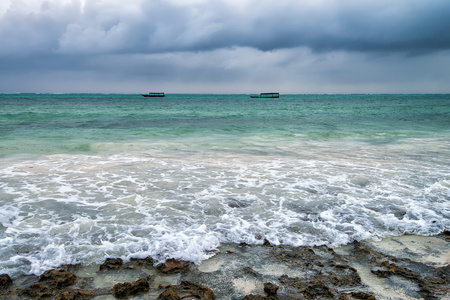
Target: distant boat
266 95
154 95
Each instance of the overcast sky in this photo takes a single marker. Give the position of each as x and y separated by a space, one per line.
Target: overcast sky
225 46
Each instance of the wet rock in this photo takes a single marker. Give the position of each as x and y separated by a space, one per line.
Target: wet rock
292 282
393 269
310 288
446 235
295 256
5 281
111 264
429 286
71 294
317 290
49 284
356 295
174 266
148 261
266 243
11 294
323 273
248 271
58 278
123 290
270 289
187 290
235 203
169 295
36 290
254 297
344 275
136 263
244 244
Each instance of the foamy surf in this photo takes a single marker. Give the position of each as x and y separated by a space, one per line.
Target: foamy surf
65 209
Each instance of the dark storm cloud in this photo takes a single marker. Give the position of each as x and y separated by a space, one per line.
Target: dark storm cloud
94 45
359 26
164 26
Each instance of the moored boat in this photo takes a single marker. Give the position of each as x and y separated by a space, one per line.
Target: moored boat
154 95
266 95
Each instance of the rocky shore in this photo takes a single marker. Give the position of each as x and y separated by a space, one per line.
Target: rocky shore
406 267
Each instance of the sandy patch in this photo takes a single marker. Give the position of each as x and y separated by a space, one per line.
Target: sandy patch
425 249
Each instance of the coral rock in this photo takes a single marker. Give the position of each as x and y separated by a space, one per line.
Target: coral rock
72 294
58 278
173 266
5 281
36 290
188 290
122 290
169 295
254 297
270 288
317 290
111 264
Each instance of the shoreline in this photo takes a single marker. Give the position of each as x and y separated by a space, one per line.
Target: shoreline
404 267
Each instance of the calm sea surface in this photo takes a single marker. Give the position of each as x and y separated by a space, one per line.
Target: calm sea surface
89 176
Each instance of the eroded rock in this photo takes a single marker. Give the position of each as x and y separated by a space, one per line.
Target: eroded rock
169 295
174 266
317 290
356 295
123 290
254 297
5 281
58 278
36 290
148 261
75 294
187 290
111 264
270 288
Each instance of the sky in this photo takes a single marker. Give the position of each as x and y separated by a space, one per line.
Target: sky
225 46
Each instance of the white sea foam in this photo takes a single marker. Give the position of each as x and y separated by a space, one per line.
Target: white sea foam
64 209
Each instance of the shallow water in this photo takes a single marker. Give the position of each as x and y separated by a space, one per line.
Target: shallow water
83 177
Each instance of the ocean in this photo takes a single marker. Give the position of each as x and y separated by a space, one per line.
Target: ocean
89 176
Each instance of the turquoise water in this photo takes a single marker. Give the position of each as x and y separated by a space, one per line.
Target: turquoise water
84 176
77 123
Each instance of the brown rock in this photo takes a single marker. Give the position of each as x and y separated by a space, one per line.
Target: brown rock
356 295
317 290
111 264
144 261
58 278
362 295
5 281
196 290
36 290
393 269
72 294
122 290
10 294
254 297
169 295
266 243
188 290
270 288
173 266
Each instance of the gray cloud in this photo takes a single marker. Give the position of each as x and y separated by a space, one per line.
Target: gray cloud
221 42
162 26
